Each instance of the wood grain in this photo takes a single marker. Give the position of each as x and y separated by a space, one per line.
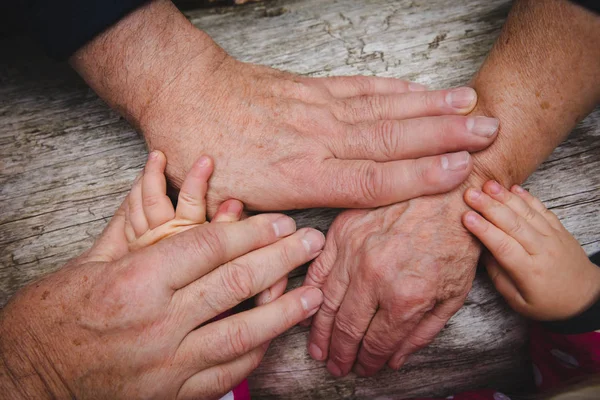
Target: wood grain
67 160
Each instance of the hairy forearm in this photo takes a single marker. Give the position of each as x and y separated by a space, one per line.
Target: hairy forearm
130 63
540 79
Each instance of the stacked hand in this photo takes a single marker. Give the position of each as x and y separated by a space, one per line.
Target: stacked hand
128 319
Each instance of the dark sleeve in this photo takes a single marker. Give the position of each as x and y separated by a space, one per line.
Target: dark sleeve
588 321
63 26
593 5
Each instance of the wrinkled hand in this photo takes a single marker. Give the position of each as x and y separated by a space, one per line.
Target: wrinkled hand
113 324
281 141
391 279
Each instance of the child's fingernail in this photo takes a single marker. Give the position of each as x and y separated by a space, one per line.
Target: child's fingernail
495 187
204 162
153 155
518 189
474 194
471 218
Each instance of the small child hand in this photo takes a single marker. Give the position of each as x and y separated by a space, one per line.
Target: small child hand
149 213
537 265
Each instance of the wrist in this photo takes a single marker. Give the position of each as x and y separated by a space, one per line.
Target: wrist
132 62
24 373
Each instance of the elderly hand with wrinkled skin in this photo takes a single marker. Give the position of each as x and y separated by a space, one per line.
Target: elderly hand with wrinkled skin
128 319
279 141
391 279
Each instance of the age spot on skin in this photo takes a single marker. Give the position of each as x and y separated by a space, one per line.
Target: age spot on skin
545 105
77 342
45 295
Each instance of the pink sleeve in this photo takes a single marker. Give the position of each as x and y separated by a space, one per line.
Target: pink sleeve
558 359
482 394
240 392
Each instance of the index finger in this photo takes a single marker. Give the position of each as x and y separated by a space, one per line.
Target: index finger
232 337
186 257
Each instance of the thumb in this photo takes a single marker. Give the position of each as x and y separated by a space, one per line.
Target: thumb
112 243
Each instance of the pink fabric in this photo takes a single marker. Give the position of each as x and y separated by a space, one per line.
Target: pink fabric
557 359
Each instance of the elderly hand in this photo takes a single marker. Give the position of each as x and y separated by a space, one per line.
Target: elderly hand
391 279
113 324
279 140
289 142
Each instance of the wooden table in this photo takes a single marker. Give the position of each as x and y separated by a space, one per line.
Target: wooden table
67 161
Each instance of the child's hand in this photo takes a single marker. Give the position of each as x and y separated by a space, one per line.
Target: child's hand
149 213
539 268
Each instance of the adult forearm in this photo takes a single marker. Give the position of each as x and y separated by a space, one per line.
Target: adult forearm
540 79
130 63
20 376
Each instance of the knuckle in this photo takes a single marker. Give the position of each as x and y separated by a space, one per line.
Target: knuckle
414 295
370 181
329 308
150 201
224 379
423 172
503 249
376 347
238 279
347 329
516 226
529 213
209 242
318 271
375 106
390 134
189 198
237 338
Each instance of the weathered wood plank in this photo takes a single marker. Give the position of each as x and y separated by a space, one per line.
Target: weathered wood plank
66 162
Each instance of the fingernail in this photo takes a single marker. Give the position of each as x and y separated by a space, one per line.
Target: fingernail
311 299
313 241
399 363
153 155
518 189
315 352
360 370
264 297
284 226
474 194
461 97
471 218
482 126
495 187
416 87
334 369
455 161
203 162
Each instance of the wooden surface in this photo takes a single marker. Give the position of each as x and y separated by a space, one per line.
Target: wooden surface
66 162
